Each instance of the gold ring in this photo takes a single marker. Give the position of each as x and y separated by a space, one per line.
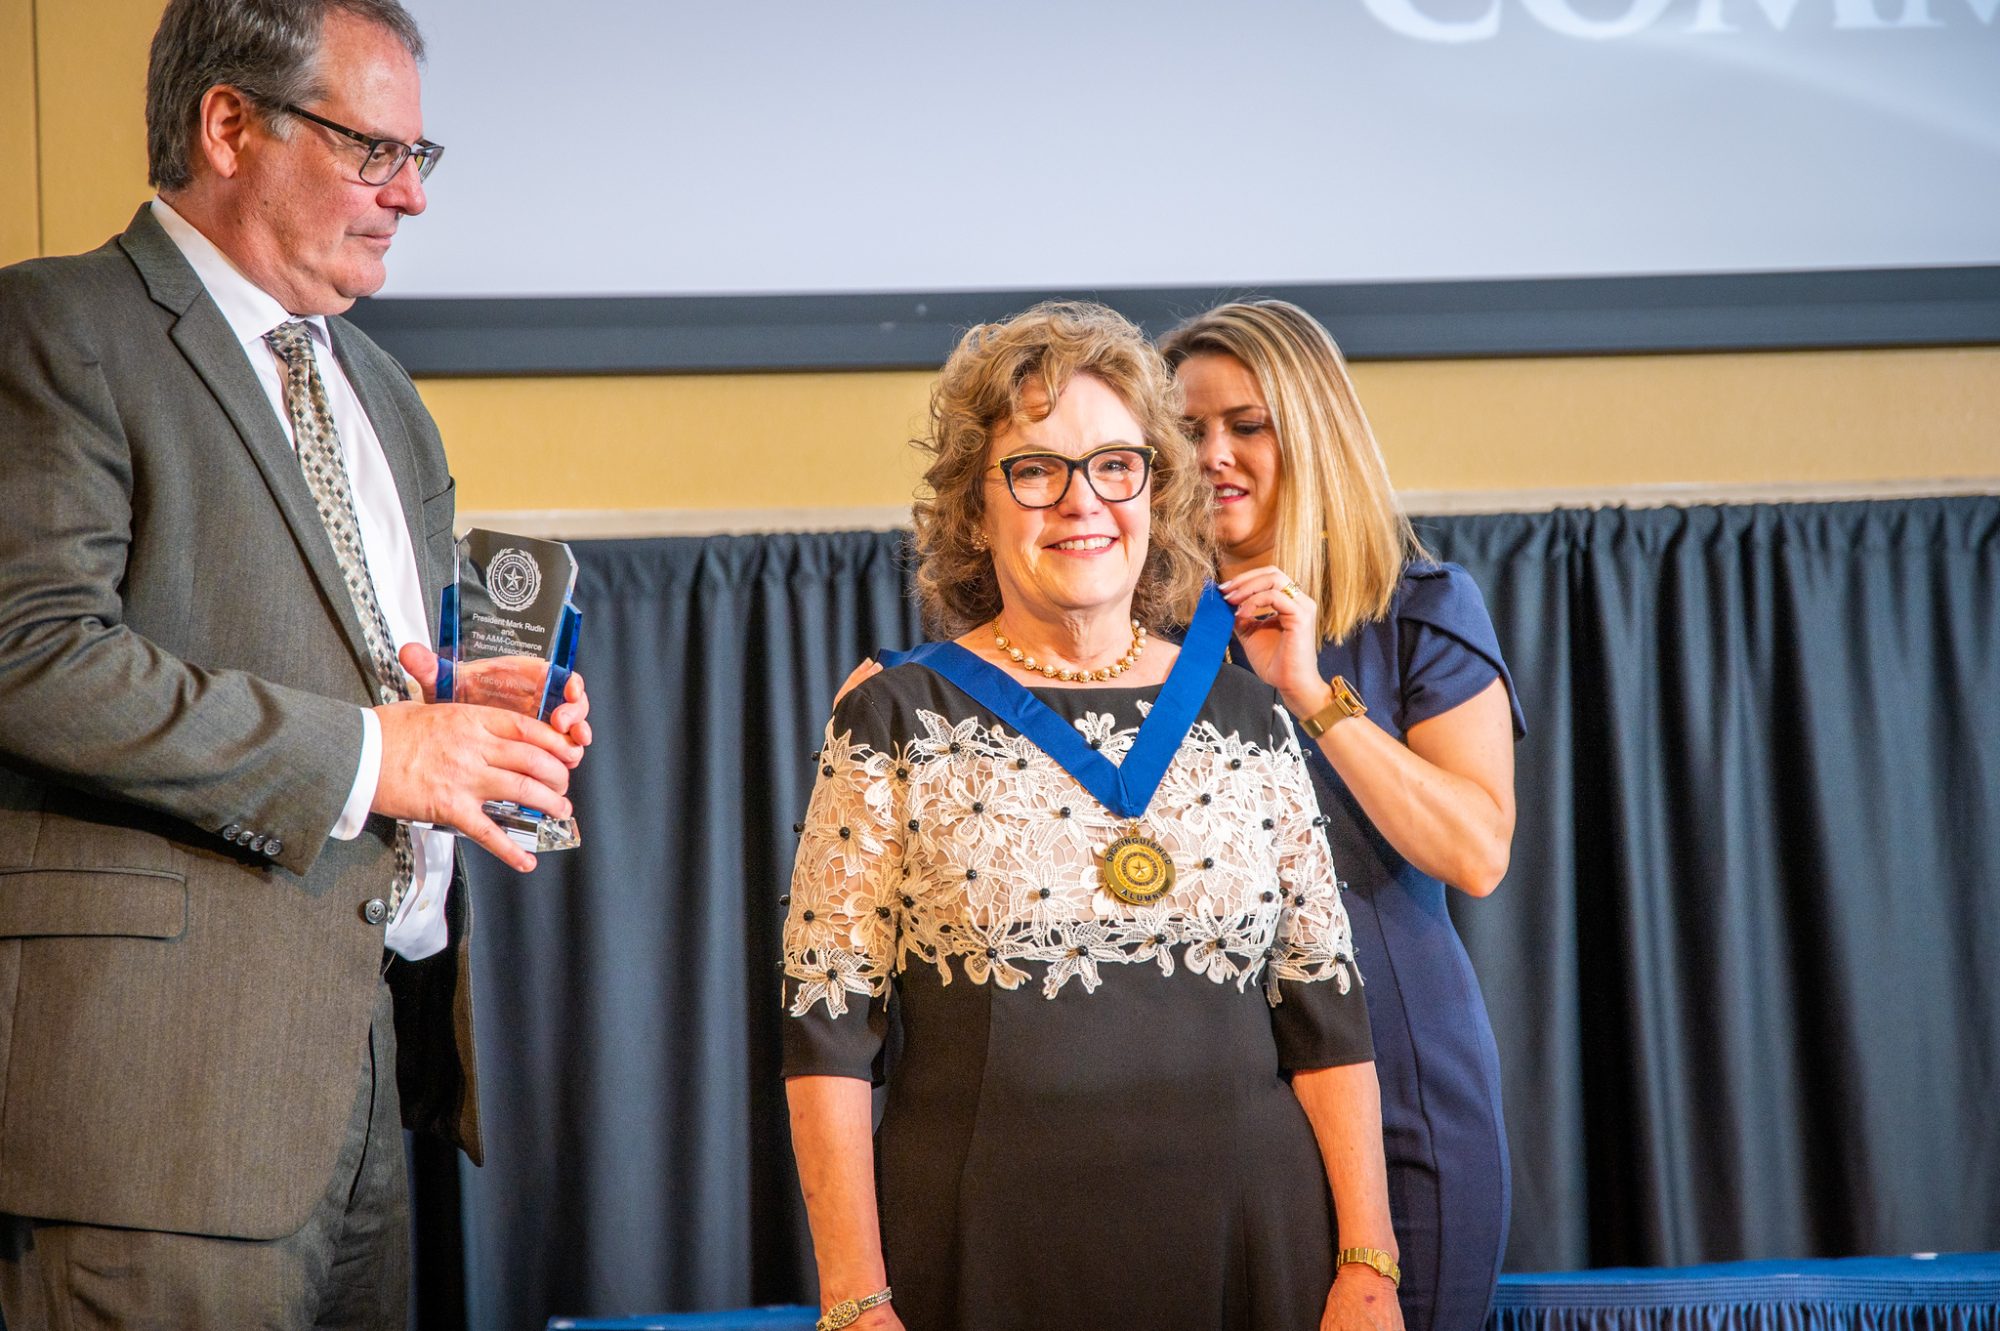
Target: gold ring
1290 589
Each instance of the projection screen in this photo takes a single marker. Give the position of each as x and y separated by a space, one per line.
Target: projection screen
661 164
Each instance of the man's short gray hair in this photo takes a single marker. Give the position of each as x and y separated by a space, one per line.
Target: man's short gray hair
269 49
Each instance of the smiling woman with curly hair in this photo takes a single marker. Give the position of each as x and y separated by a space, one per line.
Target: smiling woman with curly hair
1083 867
1002 375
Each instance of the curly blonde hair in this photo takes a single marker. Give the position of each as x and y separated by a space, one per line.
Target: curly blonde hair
1004 373
1342 534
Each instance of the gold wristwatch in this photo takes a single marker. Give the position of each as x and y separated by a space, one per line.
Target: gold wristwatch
848 1311
1381 1263
1346 702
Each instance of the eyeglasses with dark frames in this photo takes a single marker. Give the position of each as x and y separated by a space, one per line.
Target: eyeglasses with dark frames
385 156
1115 473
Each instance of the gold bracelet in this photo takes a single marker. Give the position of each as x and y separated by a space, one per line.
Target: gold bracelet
1346 702
848 1311
1381 1263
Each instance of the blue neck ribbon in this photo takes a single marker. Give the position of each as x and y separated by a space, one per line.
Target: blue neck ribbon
1124 788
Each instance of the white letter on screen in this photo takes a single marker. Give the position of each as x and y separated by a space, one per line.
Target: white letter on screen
1557 16
1846 14
1403 16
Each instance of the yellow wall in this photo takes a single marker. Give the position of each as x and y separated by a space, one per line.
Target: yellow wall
71 98
1606 424
92 58
20 194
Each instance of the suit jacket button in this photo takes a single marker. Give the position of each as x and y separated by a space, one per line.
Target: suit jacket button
376 911
257 843
274 847
245 837
229 832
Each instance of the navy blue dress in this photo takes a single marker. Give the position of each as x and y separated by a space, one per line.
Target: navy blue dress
1434 1051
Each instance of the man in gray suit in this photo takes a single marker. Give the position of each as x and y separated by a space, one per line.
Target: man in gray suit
232 941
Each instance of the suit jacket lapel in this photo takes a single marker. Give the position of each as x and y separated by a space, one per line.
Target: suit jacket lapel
205 338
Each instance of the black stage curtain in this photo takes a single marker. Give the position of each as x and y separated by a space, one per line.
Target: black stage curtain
637 1151
1741 971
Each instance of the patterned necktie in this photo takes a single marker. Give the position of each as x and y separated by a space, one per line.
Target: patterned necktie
326 475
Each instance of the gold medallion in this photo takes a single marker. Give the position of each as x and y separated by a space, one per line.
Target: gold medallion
1137 870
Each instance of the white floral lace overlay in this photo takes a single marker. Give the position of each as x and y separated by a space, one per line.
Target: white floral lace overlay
970 850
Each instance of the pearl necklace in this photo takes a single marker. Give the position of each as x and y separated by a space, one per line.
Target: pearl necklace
1049 670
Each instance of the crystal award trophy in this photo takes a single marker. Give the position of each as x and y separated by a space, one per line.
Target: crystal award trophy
511 599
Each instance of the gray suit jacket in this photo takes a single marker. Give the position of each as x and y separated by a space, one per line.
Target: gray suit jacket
186 975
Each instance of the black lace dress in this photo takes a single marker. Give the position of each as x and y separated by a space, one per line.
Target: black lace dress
1088 1122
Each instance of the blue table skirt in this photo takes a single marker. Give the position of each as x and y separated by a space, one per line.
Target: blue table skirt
1959 1292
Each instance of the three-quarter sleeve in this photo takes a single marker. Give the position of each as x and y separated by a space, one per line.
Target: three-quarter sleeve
840 925
1448 647
1318 1014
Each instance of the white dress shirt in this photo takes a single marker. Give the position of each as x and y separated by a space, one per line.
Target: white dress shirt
418 929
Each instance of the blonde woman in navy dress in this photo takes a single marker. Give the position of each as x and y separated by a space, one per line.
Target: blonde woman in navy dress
1389 661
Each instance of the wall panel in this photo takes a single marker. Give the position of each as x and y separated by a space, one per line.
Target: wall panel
839 440
20 195
93 106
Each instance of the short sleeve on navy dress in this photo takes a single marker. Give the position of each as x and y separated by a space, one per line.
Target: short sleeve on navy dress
1449 650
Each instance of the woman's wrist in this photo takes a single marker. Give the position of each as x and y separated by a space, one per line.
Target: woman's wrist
1369 1259
849 1282
854 1310
1342 704
1308 700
